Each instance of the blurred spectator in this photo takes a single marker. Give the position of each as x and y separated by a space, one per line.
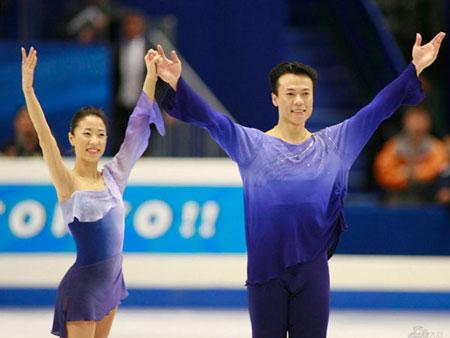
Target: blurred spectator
443 183
409 163
183 140
25 141
87 34
128 72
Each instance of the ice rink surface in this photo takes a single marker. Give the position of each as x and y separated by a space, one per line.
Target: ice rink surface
151 323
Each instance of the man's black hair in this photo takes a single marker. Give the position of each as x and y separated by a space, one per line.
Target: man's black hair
290 68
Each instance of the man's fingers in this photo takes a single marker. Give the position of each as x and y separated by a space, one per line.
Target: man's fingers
161 52
418 39
175 57
437 40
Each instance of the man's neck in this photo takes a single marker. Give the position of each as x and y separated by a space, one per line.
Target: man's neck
290 133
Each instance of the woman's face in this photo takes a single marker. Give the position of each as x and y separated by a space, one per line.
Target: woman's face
89 138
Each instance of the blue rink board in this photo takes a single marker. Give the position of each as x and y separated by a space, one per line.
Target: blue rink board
226 298
160 220
207 219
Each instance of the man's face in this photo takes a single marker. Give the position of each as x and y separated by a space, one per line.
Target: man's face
294 99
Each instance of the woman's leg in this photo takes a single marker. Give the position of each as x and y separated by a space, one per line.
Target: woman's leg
268 306
103 326
80 329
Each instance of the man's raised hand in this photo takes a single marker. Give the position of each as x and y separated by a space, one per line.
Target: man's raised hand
424 55
169 70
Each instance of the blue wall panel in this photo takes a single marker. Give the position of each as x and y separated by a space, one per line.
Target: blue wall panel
232 44
68 76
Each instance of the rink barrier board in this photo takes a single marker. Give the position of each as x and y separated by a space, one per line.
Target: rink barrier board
225 298
390 257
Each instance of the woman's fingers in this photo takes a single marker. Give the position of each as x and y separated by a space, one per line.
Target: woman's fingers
33 60
30 59
24 55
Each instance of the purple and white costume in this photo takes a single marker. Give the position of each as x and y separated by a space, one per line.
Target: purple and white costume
94 285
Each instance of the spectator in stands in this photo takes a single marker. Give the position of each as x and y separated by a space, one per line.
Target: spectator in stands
25 141
443 183
87 34
409 164
128 71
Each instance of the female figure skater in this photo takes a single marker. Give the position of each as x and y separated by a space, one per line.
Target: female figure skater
92 204
295 182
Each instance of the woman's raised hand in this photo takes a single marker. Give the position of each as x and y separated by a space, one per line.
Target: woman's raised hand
28 65
150 63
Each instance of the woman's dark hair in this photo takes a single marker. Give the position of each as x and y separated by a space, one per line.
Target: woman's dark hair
87 111
290 68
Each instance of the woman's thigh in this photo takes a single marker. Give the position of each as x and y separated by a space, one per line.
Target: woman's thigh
81 329
103 326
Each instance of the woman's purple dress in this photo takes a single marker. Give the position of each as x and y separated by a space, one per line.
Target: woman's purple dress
94 285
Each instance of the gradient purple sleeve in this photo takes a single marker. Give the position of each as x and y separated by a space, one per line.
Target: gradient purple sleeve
136 139
352 135
240 143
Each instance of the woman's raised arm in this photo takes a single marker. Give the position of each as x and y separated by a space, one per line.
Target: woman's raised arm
59 173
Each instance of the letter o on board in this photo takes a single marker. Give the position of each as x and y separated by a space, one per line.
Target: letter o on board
152 219
27 219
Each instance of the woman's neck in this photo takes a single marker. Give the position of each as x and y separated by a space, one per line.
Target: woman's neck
86 169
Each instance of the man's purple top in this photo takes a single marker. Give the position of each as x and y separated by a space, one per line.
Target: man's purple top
293 193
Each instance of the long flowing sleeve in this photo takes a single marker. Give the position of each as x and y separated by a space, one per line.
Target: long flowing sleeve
240 143
136 139
352 135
